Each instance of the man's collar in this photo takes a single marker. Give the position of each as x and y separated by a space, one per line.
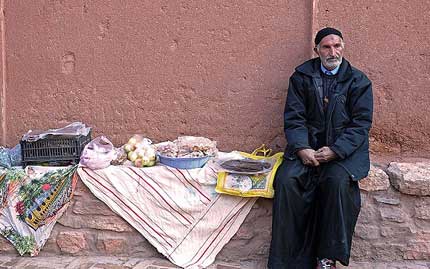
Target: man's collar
330 72
312 68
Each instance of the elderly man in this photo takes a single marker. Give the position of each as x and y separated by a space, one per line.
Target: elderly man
327 118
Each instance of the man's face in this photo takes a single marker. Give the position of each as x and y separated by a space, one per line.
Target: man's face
330 51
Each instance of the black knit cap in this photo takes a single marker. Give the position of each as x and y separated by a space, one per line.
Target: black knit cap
325 32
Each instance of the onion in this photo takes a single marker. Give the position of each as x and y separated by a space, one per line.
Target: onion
150 151
128 147
149 163
141 152
138 163
132 156
132 141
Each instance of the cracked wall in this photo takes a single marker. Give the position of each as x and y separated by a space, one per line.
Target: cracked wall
213 68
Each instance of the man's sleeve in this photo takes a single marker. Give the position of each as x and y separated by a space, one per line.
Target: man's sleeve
361 121
295 128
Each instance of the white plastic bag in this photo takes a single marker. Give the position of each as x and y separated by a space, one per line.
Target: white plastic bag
98 154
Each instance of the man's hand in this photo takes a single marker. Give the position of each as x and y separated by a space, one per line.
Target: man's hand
325 154
307 157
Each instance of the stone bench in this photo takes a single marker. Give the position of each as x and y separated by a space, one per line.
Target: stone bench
393 226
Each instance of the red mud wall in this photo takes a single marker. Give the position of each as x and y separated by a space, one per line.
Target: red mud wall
213 68
162 68
390 41
2 80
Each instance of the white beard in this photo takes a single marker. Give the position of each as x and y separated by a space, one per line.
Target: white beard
332 63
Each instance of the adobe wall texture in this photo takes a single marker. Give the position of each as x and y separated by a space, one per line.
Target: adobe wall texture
2 80
389 41
212 68
161 68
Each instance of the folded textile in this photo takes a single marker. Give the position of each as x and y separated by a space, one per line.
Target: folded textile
15 155
5 158
184 219
30 204
10 157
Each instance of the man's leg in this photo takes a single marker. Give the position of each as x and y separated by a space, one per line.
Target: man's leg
338 208
292 245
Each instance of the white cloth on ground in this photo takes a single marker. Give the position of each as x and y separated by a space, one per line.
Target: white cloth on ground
185 220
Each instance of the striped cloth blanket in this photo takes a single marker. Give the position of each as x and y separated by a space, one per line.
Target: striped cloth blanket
177 211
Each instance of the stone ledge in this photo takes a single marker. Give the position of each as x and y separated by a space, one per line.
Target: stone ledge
407 178
393 226
377 180
410 178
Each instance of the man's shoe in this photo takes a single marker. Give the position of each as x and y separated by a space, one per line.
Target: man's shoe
326 264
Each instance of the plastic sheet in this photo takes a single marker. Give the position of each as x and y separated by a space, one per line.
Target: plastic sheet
73 129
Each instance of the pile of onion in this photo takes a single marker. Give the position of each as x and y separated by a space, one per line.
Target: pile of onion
140 151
